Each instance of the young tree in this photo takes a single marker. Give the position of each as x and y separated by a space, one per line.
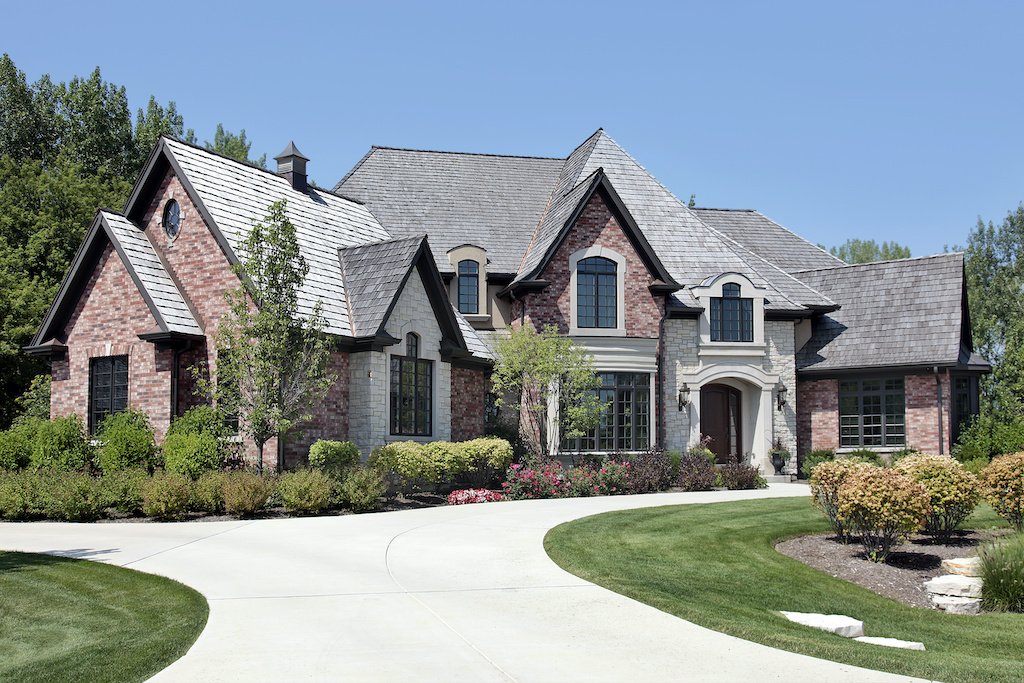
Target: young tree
272 365
552 377
868 251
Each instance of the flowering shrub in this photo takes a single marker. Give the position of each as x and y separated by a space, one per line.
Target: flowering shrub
884 506
696 473
827 476
466 496
612 479
580 482
545 481
954 491
1003 482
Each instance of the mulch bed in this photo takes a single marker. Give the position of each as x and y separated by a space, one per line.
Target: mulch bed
900 577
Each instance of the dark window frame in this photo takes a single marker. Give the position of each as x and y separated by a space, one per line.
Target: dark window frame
879 418
164 218
597 293
411 391
469 287
965 402
625 424
731 316
107 367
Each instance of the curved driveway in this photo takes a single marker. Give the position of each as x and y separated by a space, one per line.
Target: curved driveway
442 594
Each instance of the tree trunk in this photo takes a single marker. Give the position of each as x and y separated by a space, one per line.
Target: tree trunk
259 456
530 420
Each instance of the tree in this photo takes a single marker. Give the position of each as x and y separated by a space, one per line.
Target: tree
552 376
151 124
95 125
869 251
272 365
235 146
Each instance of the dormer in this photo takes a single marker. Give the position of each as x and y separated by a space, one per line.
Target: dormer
733 316
469 286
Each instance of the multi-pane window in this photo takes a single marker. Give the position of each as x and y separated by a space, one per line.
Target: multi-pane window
411 391
108 388
625 423
965 402
469 287
596 293
872 413
732 317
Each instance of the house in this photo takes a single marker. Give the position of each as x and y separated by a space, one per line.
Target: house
710 322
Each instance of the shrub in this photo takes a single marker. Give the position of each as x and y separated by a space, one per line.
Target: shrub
989 435
696 473
1002 571
703 449
467 496
166 494
122 490
60 444
201 419
976 465
674 458
884 506
208 492
73 497
306 490
813 458
362 489
613 478
953 490
545 481
1003 482
866 455
896 456
826 479
192 453
333 457
738 475
441 461
246 493
648 471
21 494
579 482
126 441
16 444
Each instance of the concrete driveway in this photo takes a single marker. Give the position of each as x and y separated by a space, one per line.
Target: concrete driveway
444 594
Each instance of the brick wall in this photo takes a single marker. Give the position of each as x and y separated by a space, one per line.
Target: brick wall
108 317
922 414
817 403
469 398
596 226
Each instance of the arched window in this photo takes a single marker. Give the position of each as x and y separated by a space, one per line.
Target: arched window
732 317
469 287
412 386
596 287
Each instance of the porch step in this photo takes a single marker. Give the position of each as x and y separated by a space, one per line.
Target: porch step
779 478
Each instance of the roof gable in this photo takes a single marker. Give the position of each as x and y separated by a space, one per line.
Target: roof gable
166 303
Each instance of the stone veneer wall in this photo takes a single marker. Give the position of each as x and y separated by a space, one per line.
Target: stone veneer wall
369 374
679 343
780 336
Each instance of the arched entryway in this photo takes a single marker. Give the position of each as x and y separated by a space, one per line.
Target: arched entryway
721 420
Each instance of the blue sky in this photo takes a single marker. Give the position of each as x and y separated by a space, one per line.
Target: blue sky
877 120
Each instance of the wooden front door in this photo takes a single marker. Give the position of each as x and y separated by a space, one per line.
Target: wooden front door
720 419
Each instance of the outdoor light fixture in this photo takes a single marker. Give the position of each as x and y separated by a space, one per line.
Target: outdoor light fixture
684 396
780 395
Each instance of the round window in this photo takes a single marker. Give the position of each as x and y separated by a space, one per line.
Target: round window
172 219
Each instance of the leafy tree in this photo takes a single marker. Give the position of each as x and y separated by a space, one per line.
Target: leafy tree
235 146
151 124
869 251
23 128
95 125
549 374
272 366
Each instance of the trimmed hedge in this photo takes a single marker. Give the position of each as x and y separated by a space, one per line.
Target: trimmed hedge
441 461
333 457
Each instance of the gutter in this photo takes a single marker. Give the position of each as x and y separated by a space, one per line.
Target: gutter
938 405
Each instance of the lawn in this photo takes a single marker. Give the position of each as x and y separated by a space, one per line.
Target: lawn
73 620
716 565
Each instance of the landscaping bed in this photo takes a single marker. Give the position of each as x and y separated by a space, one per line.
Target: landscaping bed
903 574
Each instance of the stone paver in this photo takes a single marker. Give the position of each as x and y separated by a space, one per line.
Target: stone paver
461 593
839 624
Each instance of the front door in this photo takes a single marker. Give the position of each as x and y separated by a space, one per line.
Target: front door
720 421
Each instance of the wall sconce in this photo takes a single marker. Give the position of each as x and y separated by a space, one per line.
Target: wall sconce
684 396
780 395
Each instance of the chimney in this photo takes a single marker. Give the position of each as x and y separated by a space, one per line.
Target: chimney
292 165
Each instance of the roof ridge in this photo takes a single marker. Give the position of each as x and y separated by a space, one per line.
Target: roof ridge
713 208
804 239
475 154
395 240
884 262
249 164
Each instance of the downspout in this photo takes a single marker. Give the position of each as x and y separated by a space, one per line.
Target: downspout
938 405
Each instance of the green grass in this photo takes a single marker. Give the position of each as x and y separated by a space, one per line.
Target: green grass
715 565
73 620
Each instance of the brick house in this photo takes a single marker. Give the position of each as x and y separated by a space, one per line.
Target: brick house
708 322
